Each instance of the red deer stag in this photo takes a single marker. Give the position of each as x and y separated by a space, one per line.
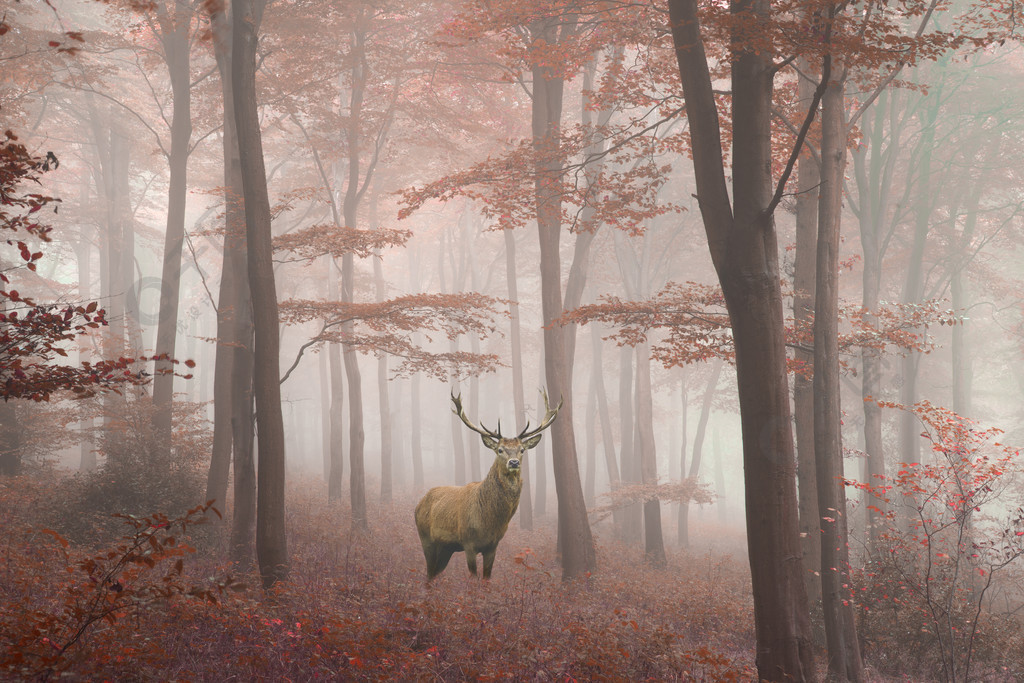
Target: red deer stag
474 517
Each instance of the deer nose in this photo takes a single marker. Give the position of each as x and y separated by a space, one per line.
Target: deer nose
513 464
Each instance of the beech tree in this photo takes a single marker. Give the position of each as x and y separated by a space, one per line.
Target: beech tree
271 541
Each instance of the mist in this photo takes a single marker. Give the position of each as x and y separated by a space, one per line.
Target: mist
720 305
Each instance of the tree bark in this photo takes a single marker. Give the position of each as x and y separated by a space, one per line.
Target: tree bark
808 177
271 540
350 205
335 479
654 541
844 660
175 40
744 249
511 278
577 544
233 302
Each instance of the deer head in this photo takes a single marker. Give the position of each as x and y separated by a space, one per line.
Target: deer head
511 450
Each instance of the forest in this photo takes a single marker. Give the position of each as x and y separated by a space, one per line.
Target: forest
479 340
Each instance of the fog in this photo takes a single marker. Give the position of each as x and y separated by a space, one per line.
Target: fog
498 203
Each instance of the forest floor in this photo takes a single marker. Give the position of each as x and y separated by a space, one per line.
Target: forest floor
356 607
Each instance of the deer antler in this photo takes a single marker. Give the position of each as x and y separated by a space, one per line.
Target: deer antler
457 400
549 417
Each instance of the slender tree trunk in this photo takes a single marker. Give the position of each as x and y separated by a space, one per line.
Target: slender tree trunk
874 165
335 479
683 508
578 556
383 397
511 277
698 446
357 438
654 541
87 448
632 514
540 455
607 439
416 427
744 249
844 660
175 39
271 541
234 277
808 177
325 413
590 483
913 286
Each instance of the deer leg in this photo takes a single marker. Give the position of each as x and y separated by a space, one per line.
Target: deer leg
437 559
489 562
471 560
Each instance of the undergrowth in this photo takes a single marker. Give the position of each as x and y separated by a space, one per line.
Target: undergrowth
355 607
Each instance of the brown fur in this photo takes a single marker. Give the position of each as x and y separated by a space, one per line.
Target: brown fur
474 517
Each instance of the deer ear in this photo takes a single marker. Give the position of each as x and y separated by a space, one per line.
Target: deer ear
532 442
489 442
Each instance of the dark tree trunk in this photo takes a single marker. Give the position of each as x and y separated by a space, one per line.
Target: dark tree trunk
744 249
844 660
271 541
233 303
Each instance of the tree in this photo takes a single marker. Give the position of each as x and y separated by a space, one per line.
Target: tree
741 237
271 541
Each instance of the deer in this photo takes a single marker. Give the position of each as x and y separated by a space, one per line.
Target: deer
473 518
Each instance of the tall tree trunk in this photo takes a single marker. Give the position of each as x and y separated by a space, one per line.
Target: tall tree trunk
383 399
590 422
353 194
844 660
175 39
874 166
511 278
325 413
540 455
683 508
632 514
808 176
87 447
744 249
578 556
696 455
654 541
416 427
913 286
607 439
271 541
234 286
335 479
